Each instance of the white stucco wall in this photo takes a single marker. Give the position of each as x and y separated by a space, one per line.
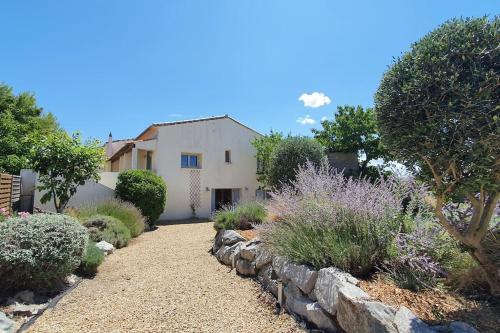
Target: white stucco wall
209 138
86 194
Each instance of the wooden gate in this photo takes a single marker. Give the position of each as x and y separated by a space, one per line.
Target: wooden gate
10 191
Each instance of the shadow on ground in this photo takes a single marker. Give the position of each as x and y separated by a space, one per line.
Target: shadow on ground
187 221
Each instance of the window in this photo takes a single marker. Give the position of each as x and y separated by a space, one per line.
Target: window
228 156
190 161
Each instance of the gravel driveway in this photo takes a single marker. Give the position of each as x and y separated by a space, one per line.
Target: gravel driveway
165 281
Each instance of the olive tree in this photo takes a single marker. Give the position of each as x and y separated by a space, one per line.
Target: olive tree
290 154
438 111
63 163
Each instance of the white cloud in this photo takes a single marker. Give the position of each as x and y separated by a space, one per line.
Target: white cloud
307 120
324 118
315 100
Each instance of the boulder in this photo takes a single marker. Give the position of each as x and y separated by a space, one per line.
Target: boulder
217 241
105 246
266 279
358 314
245 267
328 283
279 266
302 276
249 250
406 322
308 310
230 237
6 324
461 327
225 253
263 258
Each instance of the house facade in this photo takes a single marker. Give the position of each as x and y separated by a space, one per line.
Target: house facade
206 163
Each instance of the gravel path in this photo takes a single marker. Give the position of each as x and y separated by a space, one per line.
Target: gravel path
165 281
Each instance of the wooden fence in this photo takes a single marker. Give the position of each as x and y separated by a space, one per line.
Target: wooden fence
10 191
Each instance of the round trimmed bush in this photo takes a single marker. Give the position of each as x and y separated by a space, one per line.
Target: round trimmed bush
290 154
109 229
145 190
38 251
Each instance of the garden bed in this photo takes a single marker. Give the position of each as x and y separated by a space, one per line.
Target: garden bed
330 299
436 306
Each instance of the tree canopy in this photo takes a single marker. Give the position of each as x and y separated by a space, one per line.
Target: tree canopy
289 155
353 129
63 163
438 109
22 122
265 146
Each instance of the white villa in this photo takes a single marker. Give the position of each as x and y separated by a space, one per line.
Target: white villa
206 163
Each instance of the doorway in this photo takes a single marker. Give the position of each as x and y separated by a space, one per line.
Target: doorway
223 197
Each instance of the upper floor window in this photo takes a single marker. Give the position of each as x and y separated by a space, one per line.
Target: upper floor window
190 161
227 156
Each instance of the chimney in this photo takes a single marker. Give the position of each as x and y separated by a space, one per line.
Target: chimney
109 146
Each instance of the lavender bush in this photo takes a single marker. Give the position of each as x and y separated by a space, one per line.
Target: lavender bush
323 219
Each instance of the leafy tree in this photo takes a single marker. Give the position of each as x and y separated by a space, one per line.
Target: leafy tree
21 123
289 155
63 163
438 110
265 146
354 129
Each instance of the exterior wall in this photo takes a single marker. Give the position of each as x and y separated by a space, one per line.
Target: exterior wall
344 162
125 161
88 193
210 139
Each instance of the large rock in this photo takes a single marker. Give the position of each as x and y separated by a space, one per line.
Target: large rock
230 237
106 247
245 267
217 241
249 249
226 253
405 321
302 276
461 327
308 310
329 282
264 257
6 324
226 237
279 266
358 314
267 280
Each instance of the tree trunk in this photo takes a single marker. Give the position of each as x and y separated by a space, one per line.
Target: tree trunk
491 271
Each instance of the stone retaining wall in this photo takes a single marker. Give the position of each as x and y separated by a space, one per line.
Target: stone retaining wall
325 299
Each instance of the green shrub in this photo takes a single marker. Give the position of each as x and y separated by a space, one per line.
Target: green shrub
290 154
145 190
109 229
356 248
116 233
225 218
242 216
92 259
38 251
126 212
324 220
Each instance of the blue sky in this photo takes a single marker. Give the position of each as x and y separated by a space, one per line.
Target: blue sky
119 66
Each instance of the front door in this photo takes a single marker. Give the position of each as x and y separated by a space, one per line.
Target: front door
223 197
